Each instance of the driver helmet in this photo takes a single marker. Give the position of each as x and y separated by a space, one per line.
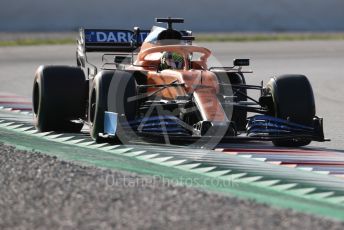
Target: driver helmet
172 60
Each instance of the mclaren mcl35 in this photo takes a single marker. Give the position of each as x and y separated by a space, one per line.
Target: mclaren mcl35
156 84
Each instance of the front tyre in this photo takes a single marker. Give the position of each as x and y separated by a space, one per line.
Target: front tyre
293 100
110 92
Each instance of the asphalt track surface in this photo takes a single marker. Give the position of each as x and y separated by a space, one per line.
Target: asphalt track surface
42 192
321 61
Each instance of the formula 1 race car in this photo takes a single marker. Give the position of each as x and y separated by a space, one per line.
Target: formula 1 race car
158 85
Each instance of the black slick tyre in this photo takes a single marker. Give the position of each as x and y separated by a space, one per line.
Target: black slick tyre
293 100
110 92
59 98
239 117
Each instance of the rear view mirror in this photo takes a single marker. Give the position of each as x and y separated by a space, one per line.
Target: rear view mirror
122 59
241 62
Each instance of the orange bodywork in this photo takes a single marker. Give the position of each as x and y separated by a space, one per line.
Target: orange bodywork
196 78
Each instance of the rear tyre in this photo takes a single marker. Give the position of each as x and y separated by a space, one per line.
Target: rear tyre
293 100
239 117
58 98
110 92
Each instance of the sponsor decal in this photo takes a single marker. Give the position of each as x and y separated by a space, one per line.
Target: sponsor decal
113 36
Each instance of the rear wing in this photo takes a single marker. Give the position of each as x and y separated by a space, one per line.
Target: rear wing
112 41
105 40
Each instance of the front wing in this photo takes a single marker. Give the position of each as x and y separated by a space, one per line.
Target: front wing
259 128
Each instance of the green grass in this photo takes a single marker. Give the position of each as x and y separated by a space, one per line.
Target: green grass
201 37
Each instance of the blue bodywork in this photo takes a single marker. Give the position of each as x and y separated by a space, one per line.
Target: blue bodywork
258 126
110 123
271 126
112 36
159 124
154 124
